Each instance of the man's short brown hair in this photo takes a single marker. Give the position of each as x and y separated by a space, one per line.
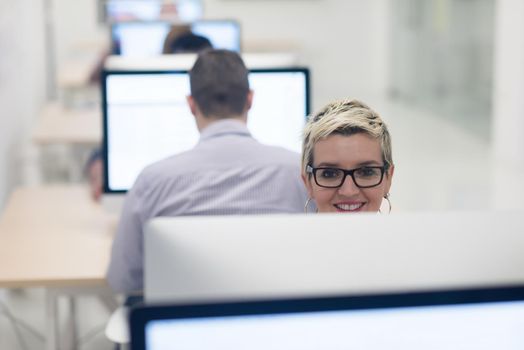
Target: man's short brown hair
219 83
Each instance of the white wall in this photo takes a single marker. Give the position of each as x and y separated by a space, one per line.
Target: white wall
508 92
22 84
343 41
76 29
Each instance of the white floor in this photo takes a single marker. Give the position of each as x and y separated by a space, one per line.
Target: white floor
439 166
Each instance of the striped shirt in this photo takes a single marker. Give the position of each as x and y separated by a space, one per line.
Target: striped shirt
227 173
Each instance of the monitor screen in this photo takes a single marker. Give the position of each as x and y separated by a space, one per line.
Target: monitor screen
139 39
146 117
446 319
151 10
223 34
119 10
145 39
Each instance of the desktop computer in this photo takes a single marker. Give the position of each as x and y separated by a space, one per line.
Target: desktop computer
151 10
146 117
146 38
472 319
190 259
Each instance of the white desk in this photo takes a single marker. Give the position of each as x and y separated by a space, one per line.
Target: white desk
57 124
55 237
64 137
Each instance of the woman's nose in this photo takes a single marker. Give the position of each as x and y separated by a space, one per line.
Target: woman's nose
348 187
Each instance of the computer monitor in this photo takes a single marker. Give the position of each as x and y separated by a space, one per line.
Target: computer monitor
188 259
139 39
146 117
487 318
151 10
223 34
146 38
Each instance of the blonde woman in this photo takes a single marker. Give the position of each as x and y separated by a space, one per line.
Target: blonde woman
347 165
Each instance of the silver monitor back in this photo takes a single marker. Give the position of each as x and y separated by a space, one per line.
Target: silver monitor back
235 258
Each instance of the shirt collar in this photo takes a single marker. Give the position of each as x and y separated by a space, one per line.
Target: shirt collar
224 127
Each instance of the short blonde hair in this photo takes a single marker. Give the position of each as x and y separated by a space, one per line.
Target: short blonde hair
345 117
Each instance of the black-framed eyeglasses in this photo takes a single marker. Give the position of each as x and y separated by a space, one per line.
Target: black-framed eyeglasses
363 177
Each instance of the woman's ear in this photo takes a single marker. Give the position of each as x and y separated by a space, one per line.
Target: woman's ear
389 177
307 183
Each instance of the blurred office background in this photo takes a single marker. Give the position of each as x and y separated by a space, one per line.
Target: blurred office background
447 76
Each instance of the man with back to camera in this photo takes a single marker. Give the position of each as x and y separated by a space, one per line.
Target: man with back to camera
175 43
227 173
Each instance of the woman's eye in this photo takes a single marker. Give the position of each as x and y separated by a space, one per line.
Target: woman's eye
367 172
330 173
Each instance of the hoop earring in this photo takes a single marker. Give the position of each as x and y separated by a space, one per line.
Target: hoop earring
306 206
386 197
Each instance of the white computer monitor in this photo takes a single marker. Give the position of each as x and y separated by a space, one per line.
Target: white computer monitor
223 34
190 259
139 39
151 10
479 319
146 38
146 117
